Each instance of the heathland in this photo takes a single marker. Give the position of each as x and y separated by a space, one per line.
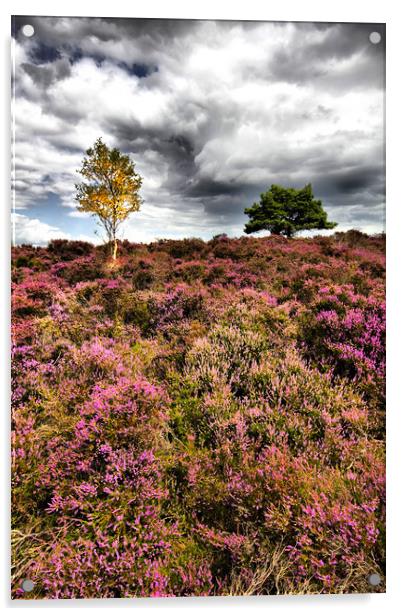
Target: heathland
199 418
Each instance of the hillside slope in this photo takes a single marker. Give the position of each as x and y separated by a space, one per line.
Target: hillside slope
199 418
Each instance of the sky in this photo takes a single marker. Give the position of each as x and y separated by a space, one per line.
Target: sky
211 112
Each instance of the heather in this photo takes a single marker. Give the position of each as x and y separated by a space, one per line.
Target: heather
199 418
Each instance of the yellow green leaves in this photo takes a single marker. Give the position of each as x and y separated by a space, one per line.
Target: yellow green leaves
110 190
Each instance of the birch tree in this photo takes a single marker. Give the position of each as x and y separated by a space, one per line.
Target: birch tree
110 190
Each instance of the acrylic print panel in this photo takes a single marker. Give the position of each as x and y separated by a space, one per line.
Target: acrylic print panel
198 400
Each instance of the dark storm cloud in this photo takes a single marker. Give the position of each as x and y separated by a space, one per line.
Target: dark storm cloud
153 30
231 210
212 188
72 35
304 59
212 113
41 53
60 31
139 70
176 149
345 187
44 76
359 179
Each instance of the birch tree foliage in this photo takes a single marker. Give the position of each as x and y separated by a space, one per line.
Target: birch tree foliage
110 190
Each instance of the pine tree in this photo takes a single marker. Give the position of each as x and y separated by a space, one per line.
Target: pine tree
285 211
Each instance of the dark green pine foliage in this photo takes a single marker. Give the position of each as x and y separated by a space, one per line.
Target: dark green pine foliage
284 211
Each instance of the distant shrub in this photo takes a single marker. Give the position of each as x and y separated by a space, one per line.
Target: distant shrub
143 276
78 270
23 261
67 250
136 308
180 249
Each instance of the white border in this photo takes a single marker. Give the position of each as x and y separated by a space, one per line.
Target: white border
285 10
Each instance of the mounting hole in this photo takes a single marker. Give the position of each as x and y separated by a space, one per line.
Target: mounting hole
27 585
375 38
374 579
28 30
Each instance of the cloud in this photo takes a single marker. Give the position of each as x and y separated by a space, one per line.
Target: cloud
33 231
211 112
335 56
44 76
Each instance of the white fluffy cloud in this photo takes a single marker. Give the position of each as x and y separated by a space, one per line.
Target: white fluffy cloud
33 231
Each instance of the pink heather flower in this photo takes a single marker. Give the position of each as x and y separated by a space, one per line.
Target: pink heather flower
86 489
